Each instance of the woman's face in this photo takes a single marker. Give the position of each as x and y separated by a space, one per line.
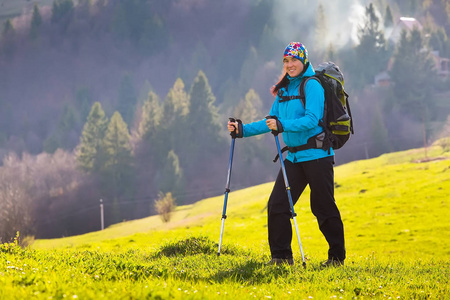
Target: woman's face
292 66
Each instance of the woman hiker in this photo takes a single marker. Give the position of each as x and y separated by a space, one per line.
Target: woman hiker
311 166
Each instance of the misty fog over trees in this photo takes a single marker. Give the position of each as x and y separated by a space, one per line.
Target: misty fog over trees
127 100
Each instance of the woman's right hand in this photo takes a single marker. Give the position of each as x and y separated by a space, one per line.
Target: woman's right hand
233 126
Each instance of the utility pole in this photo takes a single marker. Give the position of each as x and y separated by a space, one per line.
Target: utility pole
102 219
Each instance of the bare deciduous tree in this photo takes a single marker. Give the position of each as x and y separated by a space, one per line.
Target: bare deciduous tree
28 185
165 205
15 213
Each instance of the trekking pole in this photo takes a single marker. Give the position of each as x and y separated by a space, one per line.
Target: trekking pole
227 188
288 189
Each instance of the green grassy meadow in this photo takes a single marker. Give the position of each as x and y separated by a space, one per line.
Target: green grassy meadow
395 210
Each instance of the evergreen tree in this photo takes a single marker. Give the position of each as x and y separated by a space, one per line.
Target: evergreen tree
61 9
412 73
36 22
258 17
413 7
248 69
116 143
149 152
330 55
127 99
143 95
150 118
117 171
84 101
65 134
439 42
321 36
413 76
253 154
62 13
172 175
8 28
68 119
83 8
137 22
176 109
388 18
129 19
269 42
203 136
151 144
89 152
8 39
379 135
371 53
176 104
204 119
249 109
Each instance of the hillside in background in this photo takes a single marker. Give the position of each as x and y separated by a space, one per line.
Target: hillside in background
396 248
389 206
394 209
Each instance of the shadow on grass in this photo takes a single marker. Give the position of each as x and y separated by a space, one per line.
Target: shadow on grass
253 272
233 265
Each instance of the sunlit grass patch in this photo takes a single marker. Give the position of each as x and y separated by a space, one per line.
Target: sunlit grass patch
191 269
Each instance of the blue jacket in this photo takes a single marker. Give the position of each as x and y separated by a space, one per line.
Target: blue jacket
299 123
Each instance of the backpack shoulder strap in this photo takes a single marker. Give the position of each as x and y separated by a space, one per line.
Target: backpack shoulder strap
286 98
301 88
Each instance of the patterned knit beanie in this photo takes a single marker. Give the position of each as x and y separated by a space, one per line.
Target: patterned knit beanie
298 51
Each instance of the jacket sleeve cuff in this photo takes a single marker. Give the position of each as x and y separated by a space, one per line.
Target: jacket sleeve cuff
240 129
280 128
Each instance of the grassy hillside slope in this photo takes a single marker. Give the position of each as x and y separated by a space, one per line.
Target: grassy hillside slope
395 211
392 205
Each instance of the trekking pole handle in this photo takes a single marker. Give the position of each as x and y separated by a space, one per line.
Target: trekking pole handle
234 134
274 132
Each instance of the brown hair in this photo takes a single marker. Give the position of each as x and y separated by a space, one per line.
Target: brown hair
283 82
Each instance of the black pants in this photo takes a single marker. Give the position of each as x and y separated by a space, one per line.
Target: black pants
319 174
